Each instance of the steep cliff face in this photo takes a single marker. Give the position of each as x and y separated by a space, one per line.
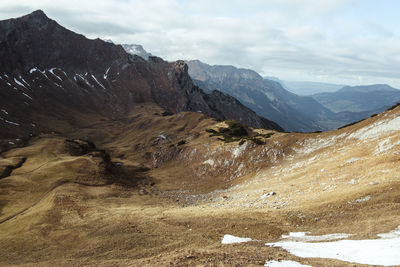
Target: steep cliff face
217 104
52 79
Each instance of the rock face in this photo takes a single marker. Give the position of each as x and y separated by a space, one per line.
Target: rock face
52 79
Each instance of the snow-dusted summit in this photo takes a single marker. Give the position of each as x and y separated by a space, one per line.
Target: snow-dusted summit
135 49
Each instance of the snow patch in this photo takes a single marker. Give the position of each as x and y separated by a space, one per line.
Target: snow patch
98 82
4 111
209 162
285 263
27 96
12 123
385 145
303 237
19 83
59 85
83 78
238 150
52 72
230 239
22 79
352 160
310 145
106 74
377 129
360 200
32 70
383 251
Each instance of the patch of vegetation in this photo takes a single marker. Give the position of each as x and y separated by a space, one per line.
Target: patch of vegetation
211 131
350 124
267 135
234 132
236 129
180 143
167 113
238 132
257 141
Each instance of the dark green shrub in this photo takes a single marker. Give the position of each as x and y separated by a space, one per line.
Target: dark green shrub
180 143
167 113
236 128
257 141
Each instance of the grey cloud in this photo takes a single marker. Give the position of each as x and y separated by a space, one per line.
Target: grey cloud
298 39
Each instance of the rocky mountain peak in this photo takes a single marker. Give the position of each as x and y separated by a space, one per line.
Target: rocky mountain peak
37 14
181 67
36 19
36 41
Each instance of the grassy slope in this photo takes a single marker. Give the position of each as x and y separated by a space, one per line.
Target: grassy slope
171 205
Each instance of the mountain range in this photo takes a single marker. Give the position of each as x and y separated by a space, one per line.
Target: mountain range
53 79
109 159
310 88
270 99
290 103
360 98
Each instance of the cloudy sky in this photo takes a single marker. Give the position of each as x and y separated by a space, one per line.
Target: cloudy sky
337 41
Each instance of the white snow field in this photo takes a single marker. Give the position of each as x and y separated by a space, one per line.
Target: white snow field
284 264
382 251
230 239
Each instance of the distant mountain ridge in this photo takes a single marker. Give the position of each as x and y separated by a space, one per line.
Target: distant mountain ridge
293 112
306 88
359 98
269 98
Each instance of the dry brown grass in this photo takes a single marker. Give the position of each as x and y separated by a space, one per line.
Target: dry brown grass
64 209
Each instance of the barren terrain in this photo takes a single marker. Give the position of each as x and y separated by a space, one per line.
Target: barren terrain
165 193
